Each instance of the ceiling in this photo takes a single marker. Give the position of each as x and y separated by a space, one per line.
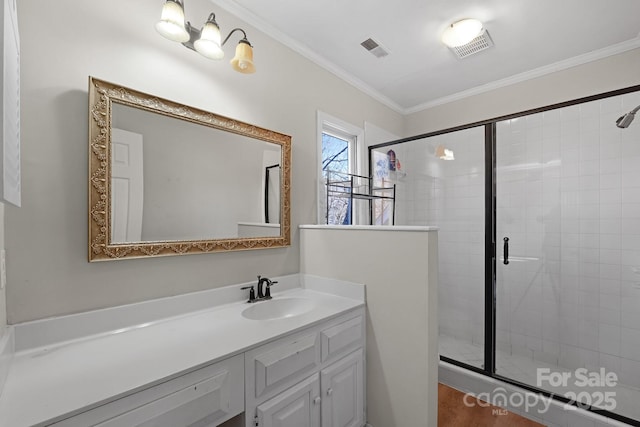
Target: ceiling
531 38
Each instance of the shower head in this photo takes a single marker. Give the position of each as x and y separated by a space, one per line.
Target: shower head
624 121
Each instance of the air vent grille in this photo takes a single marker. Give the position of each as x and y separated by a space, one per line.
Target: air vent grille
369 44
374 47
480 43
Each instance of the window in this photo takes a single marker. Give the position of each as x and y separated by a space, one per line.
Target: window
337 164
339 155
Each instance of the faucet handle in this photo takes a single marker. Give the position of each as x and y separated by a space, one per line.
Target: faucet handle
267 291
252 293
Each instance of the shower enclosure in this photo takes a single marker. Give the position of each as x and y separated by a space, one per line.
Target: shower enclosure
539 246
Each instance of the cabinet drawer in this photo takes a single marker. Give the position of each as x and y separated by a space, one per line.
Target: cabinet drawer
204 397
341 338
276 365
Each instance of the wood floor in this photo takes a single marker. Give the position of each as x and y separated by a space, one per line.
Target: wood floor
452 412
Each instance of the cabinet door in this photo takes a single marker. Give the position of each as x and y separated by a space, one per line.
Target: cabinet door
343 392
298 406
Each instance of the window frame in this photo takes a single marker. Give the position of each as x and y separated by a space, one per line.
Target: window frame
339 128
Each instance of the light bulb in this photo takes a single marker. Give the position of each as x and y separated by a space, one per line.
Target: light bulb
171 24
208 45
461 32
243 61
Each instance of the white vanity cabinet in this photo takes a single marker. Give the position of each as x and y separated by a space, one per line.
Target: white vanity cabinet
202 398
312 378
196 360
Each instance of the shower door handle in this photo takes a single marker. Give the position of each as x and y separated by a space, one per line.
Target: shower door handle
505 250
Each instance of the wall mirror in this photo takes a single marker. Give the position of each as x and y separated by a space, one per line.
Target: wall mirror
169 179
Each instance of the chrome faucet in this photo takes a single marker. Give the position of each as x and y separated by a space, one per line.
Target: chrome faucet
263 283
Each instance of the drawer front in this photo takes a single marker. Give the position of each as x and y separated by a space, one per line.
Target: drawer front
285 362
207 396
341 338
204 401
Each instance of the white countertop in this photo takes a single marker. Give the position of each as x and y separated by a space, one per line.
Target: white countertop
47 382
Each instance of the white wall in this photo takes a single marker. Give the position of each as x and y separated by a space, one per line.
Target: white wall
399 269
63 43
614 72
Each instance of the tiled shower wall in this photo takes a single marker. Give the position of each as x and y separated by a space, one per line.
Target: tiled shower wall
569 201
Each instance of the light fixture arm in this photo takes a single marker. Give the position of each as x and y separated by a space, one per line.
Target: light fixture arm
243 40
194 34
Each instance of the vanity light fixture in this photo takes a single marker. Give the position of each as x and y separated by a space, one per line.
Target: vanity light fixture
443 153
461 32
206 41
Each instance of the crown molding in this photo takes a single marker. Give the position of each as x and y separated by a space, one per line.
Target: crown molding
252 19
532 74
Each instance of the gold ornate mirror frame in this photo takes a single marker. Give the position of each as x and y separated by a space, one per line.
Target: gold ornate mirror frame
102 95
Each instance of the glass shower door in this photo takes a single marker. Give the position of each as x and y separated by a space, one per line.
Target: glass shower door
568 254
440 180
528 236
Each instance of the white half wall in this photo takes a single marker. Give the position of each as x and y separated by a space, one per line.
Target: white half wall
399 266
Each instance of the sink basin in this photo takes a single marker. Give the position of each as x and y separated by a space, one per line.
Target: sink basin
278 308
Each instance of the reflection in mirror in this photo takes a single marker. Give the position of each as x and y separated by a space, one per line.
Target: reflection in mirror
181 180
173 183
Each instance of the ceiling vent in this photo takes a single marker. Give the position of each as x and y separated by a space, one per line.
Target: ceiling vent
374 47
480 43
